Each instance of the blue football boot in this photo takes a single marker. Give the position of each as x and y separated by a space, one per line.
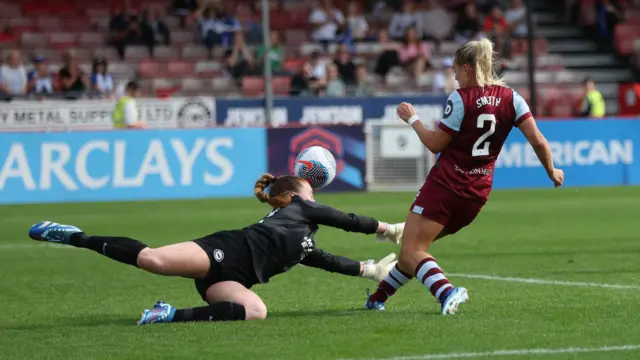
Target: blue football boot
161 313
52 232
453 299
373 305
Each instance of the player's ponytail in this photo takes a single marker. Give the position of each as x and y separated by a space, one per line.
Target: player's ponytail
280 192
263 183
479 54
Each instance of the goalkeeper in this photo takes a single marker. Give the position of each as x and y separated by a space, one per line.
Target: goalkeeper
226 264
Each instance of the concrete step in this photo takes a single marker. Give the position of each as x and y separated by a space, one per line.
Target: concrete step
558 32
548 17
574 45
607 76
591 60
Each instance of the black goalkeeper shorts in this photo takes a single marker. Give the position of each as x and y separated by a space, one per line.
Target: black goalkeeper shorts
231 260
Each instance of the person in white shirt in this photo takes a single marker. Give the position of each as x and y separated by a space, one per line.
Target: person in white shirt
445 81
357 23
13 76
327 21
436 21
400 22
517 19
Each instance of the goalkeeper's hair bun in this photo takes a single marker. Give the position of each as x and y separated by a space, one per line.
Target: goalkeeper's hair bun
280 191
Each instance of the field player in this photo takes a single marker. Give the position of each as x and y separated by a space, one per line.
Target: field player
226 264
477 120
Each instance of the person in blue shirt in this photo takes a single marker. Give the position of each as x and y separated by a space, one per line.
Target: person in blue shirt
102 82
40 80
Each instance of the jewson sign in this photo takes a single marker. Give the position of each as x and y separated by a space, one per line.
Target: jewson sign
130 165
592 153
322 111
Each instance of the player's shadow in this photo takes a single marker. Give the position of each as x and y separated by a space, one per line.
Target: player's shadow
89 321
319 313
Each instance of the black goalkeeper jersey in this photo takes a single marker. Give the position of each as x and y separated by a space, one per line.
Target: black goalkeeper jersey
284 237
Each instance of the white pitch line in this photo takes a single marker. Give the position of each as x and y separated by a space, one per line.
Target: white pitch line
497 353
546 282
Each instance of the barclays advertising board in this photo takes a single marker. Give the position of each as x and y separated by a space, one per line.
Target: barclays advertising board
130 165
322 111
592 153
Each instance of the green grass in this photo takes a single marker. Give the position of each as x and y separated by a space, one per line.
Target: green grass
64 303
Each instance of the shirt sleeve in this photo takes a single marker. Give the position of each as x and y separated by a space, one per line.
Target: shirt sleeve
522 109
453 114
130 113
324 215
321 259
316 17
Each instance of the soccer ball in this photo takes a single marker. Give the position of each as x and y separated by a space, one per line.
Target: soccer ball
316 165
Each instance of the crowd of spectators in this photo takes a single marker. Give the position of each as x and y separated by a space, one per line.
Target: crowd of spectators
39 81
408 32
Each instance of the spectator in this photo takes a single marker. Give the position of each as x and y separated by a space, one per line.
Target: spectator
41 80
276 54
358 26
436 21
445 81
388 55
363 85
73 80
495 17
182 9
327 22
609 13
300 81
468 24
318 66
249 24
344 64
101 81
401 21
216 28
502 46
516 17
238 58
154 30
13 76
335 86
414 54
124 30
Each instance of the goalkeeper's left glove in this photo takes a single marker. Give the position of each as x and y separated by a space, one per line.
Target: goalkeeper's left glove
393 233
377 271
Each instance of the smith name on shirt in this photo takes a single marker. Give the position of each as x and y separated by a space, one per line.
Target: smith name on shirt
488 100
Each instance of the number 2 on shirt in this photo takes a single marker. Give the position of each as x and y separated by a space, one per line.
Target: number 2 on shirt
481 146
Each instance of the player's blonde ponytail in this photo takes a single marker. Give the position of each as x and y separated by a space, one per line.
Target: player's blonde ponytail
281 190
479 54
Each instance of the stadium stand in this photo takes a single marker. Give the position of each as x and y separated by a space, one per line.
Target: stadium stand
180 64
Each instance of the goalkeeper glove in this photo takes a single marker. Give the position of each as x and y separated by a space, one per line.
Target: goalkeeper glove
377 271
393 233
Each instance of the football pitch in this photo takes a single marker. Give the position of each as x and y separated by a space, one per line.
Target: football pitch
552 274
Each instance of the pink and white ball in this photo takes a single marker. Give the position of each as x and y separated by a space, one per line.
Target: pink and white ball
317 165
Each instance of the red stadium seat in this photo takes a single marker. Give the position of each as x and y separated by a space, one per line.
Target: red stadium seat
281 85
180 68
151 69
63 40
252 85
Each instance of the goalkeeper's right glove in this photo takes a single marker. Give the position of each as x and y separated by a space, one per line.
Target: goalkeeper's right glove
393 233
